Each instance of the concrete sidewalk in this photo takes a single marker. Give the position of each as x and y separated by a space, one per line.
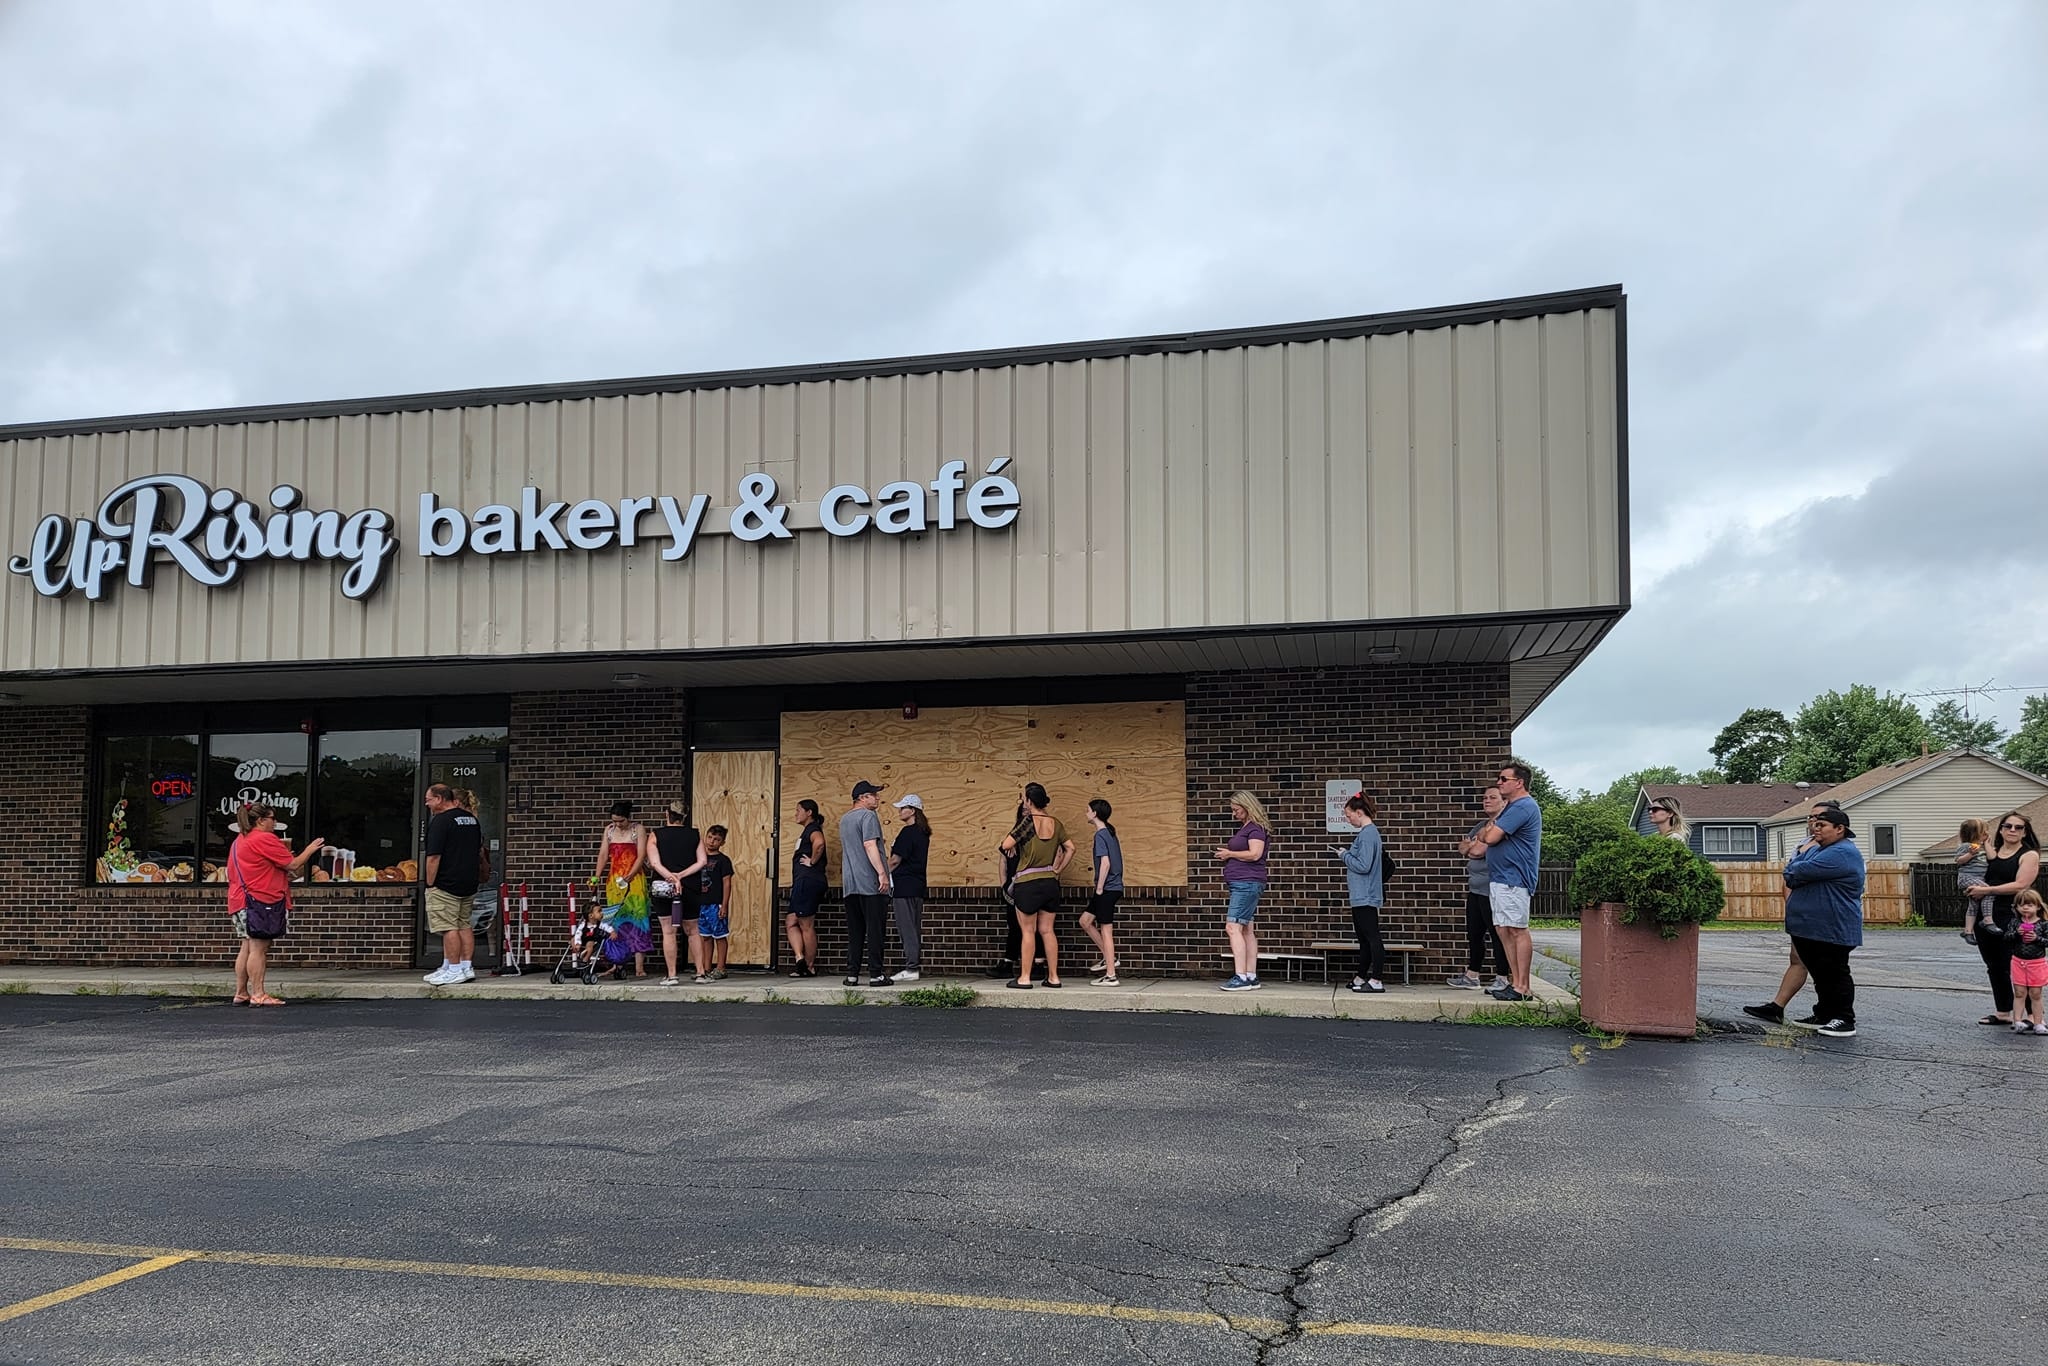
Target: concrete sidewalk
1304 999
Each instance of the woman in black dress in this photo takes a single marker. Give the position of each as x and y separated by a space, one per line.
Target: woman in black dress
2014 862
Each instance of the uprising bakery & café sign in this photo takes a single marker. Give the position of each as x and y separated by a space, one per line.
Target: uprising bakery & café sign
212 534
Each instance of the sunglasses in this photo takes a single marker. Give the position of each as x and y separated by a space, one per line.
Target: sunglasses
2012 825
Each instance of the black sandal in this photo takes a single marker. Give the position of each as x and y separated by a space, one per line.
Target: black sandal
1994 1020
1018 986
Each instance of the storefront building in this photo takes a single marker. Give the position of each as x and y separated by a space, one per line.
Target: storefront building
1288 559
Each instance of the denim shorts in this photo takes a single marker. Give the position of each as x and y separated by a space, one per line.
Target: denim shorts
1244 902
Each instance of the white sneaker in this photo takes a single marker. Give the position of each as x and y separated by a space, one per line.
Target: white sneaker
447 975
907 975
468 972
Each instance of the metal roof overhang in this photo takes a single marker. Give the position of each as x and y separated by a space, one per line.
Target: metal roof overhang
1540 650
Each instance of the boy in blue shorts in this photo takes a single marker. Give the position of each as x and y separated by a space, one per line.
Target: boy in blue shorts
712 926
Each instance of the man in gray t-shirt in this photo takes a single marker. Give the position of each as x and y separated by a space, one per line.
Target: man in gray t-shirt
864 881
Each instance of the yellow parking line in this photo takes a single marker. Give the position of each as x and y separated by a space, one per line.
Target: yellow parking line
72 1292
929 1299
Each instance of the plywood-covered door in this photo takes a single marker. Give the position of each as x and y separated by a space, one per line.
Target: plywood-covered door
736 789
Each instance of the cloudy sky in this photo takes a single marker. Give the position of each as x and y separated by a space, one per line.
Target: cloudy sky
1831 220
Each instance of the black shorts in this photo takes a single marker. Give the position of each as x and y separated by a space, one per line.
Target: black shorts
1102 906
683 910
1039 896
805 896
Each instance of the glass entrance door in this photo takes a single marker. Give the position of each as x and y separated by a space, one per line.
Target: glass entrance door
484 776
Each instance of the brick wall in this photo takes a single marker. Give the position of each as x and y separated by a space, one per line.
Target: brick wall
42 833
963 930
1423 739
574 754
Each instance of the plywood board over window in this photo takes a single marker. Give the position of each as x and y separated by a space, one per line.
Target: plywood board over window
970 763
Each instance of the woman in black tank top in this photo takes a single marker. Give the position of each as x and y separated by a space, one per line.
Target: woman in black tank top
675 856
2013 862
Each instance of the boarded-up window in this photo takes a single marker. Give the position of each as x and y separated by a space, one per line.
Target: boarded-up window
969 764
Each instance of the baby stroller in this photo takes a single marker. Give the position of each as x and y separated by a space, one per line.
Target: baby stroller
575 962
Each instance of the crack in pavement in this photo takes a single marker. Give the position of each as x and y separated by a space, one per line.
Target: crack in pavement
1382 1215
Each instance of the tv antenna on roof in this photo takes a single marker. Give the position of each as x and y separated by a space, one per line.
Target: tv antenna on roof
1984 689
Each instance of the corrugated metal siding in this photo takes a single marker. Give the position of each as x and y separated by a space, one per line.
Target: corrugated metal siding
1472 469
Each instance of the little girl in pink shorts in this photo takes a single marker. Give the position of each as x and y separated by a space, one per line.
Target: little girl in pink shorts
2029 963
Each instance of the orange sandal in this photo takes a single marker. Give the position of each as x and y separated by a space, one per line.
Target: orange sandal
241 1000
265 1000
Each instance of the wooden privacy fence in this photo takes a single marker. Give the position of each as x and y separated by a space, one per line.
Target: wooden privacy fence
1550 901
1756 891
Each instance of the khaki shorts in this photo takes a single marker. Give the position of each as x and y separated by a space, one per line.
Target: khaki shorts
446 911
1510 906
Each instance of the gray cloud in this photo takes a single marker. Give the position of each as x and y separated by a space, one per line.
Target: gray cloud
1828 217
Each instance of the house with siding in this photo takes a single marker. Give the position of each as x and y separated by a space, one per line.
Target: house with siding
1944 847
1900 809
1726 819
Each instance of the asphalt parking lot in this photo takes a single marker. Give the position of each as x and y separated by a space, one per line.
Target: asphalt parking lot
442 1181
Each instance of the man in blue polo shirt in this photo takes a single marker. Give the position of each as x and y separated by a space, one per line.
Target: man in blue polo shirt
1512 846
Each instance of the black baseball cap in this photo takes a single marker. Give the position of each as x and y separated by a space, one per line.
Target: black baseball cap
862 788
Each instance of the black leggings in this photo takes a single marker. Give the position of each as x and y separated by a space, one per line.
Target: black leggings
1996 951
1479 931
1372 948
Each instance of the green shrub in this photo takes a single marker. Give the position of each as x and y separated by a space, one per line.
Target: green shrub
1656 877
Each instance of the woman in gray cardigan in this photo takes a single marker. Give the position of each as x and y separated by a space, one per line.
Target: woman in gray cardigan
1363 874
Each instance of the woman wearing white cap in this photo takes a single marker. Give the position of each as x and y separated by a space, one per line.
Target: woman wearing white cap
908 857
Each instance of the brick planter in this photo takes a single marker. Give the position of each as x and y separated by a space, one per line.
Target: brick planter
1632 980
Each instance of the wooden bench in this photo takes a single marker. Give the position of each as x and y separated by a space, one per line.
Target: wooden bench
1326 947
1289 962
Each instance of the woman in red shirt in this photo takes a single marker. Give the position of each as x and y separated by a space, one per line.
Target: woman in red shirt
260 865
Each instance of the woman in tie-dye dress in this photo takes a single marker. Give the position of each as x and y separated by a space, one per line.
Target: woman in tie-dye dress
622 867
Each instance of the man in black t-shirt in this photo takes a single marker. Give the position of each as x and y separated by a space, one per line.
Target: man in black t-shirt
455 847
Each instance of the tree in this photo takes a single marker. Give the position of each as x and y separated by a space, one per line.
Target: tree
1839 735
1751 748
1622 791
1542 788
1952 728
1572 828
2028 746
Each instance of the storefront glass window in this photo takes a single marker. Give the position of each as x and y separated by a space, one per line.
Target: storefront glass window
368 795
269 769
149 792
470 737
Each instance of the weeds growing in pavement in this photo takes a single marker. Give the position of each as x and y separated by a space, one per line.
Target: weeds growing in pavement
1541 1015
850 997
945 996
1264 1010
772 997
13 988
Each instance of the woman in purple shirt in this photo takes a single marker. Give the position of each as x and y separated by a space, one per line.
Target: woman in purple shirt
1244 877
